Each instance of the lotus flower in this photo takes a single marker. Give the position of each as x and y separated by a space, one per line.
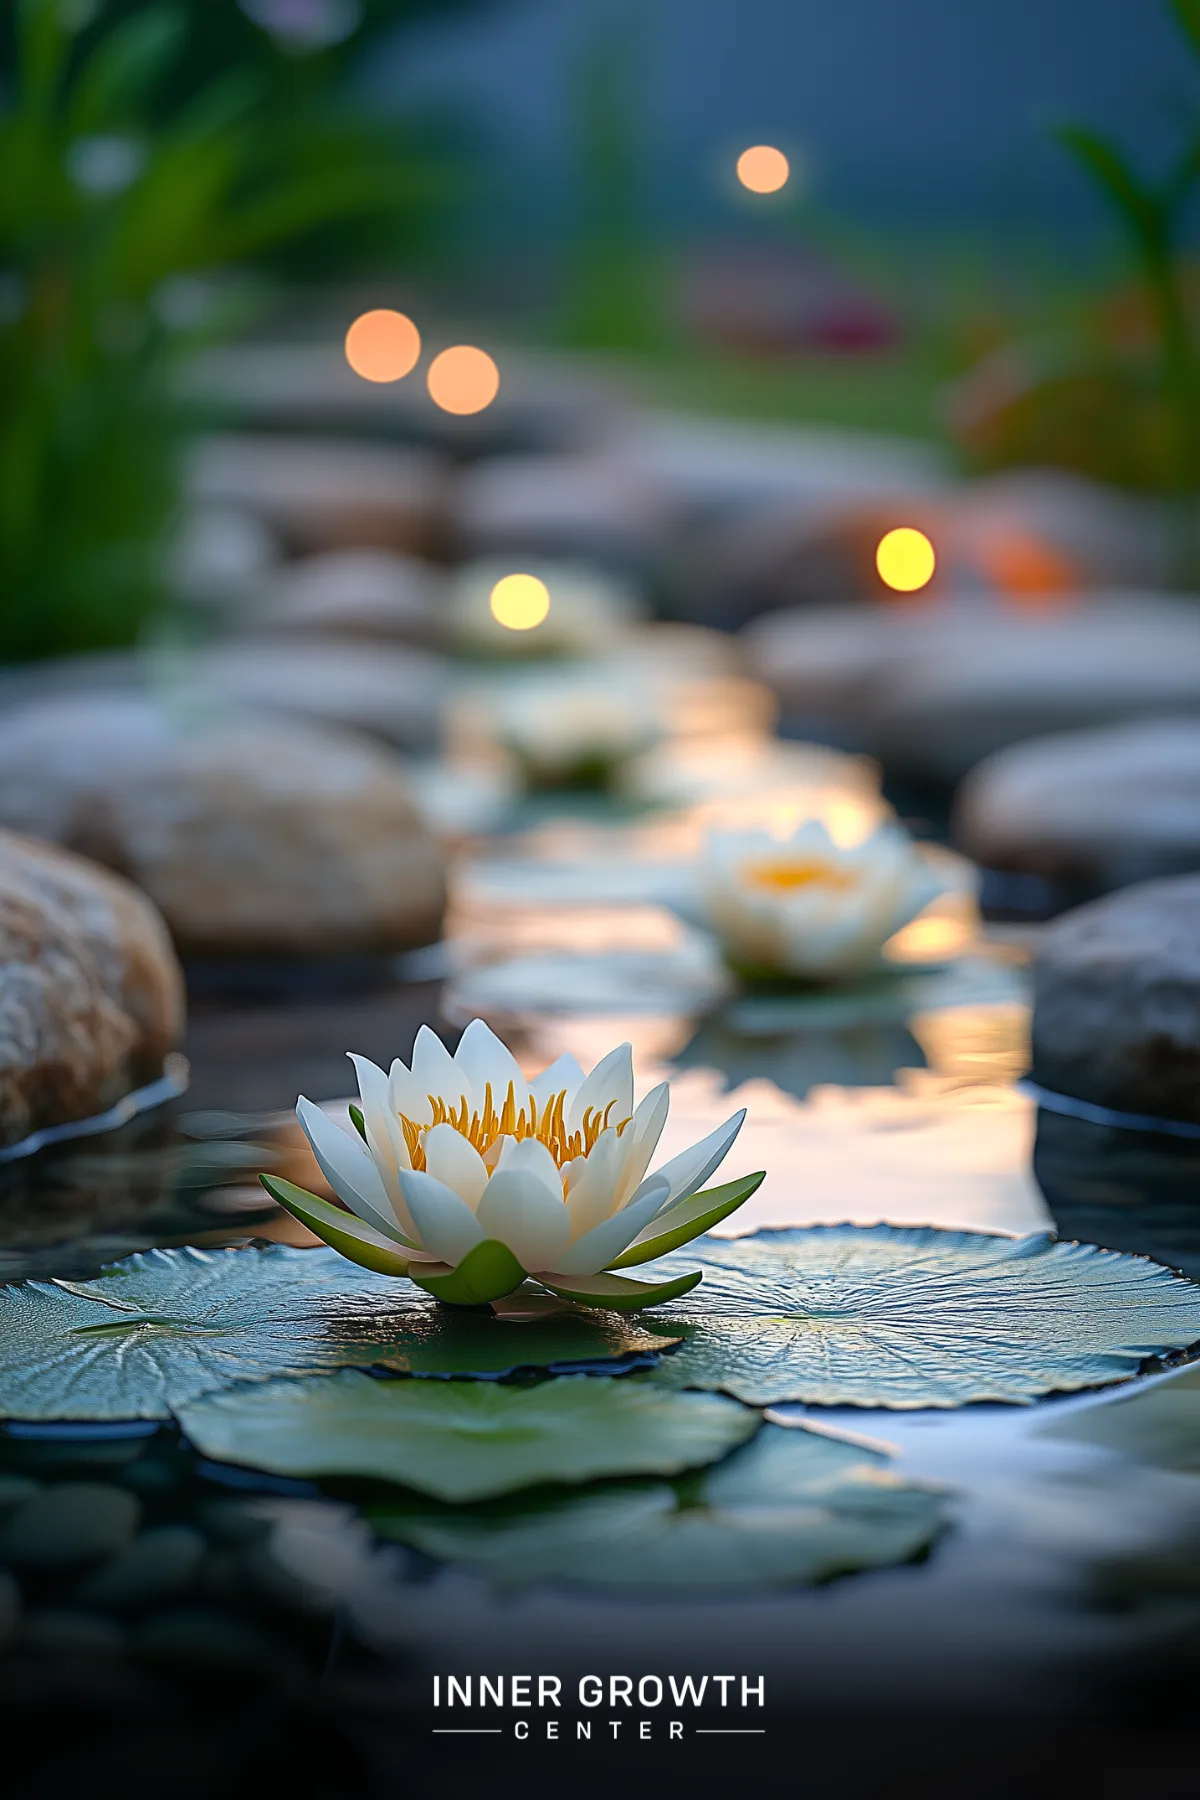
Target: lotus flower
807 906
468 1178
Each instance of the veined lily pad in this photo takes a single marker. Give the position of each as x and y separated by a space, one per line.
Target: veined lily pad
888 1316
790 1507
465 1440
1156 1422
159 1329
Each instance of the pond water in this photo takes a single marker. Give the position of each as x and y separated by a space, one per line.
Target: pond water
244 1629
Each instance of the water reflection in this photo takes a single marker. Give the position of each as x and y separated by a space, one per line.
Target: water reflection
1129 1190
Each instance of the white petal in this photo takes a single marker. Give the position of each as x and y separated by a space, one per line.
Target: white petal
446 1224
522 1212
533 1157
610 1080
407 1096
691 1168
597 1248
640 1139
384 1135
593 1194
485 1062
562 1076
450 1159
347 1166
434 1069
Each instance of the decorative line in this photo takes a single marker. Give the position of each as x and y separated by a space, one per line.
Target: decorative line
466 1731
1095 1114
730 1731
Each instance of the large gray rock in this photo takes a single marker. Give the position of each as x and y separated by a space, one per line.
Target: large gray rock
578 508
932 689
372 595
254 837
1033 535
91 997
393 694
1116 1016
1098 808
390 693
69 1526
323 493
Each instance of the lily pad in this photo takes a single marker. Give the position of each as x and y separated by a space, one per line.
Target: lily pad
465 1440
158 1329
1156 1422
847 1315
790 1507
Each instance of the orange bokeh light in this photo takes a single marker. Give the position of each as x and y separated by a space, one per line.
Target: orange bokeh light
382 345
463 379
763 169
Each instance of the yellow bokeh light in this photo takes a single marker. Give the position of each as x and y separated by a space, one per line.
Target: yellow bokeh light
463 379
763 169
905 559
382 345
520 602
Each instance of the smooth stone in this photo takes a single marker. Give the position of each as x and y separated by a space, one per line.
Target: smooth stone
64 1527
1099 809
323 493
158 1565
1116 1017
716 470
392 694
545 402
219 555
933 689
57 1631
373 595
14 1489
253 837
567 507
209 1644
91 995
1027 537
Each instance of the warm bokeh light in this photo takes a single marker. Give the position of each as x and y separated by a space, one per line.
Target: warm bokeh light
520 602
763 169
382 345
905 559
463 379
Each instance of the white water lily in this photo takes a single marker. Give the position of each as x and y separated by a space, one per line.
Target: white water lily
467 1177
809 907
572 724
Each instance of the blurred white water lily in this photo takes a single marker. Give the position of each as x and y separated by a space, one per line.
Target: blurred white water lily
808 906
467 1177
571 726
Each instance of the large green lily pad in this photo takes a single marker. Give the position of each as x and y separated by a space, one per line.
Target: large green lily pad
790 1507
465 1440
158 1329
889 1316
1156 1422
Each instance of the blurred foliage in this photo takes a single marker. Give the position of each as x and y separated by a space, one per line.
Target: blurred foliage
611 286
122 215
1120 397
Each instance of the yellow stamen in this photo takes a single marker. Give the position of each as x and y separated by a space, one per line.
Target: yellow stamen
481 1129
784 874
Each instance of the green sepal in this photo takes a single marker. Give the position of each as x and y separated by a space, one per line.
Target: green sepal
486 1273
342 1231
358 1122
617 1292
688 1220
